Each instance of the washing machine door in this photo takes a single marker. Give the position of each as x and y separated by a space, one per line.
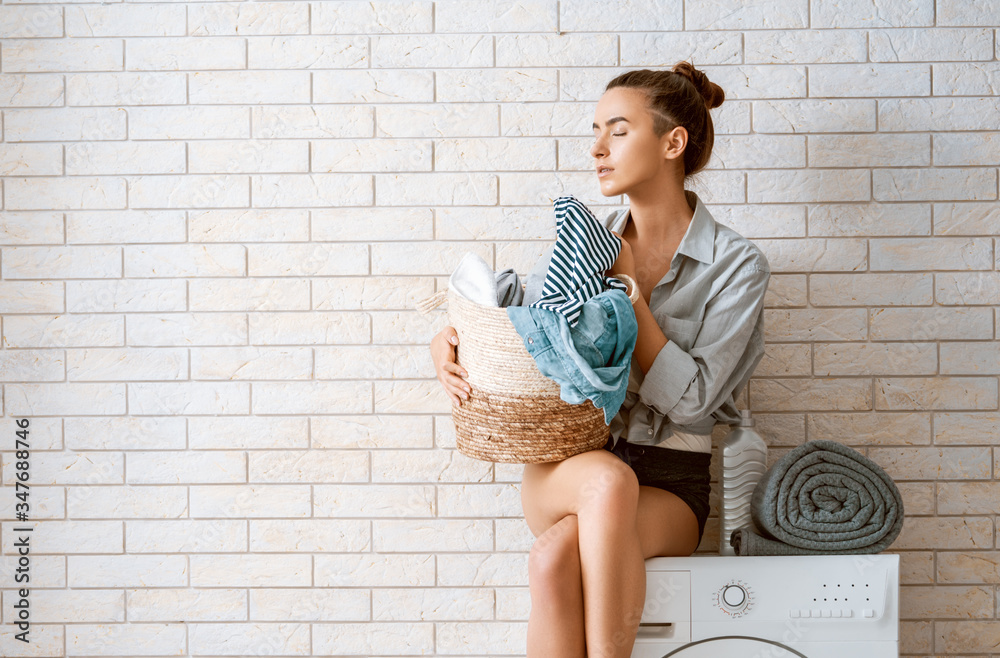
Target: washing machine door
735 646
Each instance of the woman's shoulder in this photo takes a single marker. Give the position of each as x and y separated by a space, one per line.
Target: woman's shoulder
735 248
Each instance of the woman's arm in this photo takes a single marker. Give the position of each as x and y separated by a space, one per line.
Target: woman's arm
651 338
689 385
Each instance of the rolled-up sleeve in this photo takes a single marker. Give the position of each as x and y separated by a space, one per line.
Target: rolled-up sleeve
689 385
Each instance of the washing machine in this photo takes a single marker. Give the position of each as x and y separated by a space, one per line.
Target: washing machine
816 606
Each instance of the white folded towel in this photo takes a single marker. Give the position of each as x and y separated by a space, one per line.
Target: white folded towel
475 280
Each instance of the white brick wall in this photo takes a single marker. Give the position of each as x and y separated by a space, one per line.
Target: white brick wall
217 217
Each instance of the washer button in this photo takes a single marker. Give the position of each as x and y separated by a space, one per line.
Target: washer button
868 612
734 596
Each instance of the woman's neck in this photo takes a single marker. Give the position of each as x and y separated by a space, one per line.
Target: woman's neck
664 218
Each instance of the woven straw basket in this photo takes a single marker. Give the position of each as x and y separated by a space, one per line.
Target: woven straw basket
514 413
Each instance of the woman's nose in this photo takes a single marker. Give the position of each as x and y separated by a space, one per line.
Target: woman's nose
597 149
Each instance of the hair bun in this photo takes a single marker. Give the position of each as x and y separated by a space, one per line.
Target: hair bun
711 92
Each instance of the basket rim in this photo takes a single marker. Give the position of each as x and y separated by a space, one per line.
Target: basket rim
455 297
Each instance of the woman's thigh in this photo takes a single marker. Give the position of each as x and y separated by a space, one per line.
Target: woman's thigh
551 490
667 526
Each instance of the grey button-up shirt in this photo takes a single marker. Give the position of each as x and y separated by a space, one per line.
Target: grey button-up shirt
710 306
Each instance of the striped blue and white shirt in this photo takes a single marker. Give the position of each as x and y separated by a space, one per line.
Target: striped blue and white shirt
584 249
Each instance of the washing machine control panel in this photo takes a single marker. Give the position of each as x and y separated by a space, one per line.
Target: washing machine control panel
735 598
821 606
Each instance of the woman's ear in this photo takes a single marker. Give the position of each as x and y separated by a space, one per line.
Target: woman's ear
674 141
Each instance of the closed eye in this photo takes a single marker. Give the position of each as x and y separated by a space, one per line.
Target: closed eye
617 134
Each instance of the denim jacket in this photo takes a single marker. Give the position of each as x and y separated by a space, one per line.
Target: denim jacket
590 360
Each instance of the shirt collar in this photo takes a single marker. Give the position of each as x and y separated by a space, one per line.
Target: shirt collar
699 239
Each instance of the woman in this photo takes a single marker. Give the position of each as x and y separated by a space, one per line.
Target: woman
598 515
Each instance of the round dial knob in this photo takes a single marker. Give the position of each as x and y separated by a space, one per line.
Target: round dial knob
734 596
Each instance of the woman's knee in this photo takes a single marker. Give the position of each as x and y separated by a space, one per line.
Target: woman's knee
595 479
614 485
554 559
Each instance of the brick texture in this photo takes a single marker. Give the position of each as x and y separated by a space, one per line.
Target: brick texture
216 220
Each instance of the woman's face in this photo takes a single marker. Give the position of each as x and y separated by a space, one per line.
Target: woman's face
624 141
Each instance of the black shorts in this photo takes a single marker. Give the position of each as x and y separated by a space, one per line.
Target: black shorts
681 472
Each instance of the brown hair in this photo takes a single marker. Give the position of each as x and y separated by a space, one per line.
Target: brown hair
682 96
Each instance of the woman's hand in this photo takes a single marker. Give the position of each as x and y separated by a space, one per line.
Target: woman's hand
449 373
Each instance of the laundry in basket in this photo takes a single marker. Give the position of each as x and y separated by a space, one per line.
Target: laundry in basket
516 413
475 280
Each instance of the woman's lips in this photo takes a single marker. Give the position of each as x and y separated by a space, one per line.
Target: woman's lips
604 172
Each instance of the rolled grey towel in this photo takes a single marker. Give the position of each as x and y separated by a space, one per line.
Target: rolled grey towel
821 498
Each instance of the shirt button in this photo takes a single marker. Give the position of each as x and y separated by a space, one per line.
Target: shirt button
531 341
649 431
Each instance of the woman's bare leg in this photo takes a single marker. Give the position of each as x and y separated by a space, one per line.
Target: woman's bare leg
613 569
602 492
555 626
618 525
